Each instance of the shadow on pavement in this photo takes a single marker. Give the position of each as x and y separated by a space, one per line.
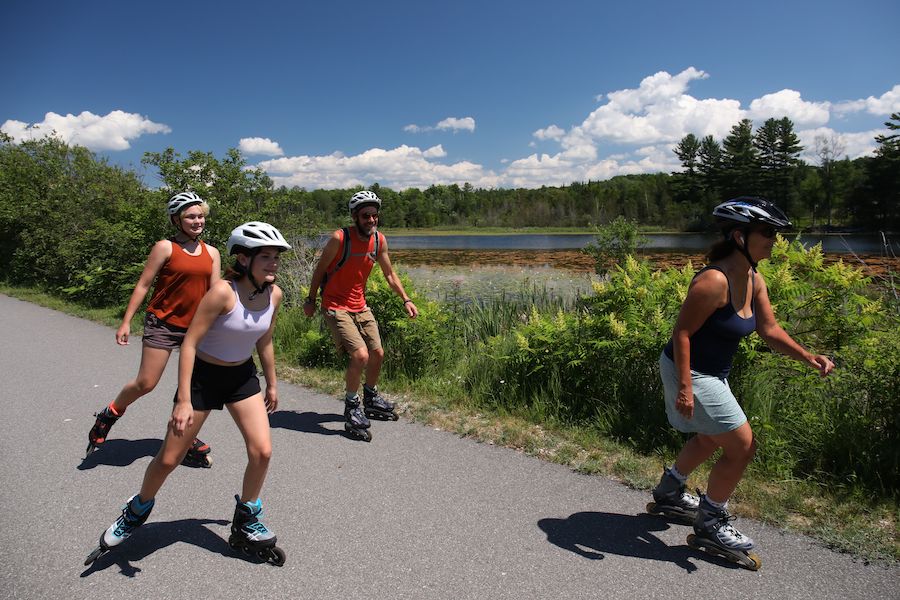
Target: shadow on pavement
306 422
121 453
591 534
156 536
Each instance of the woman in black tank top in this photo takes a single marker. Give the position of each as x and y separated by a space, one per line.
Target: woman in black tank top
726 301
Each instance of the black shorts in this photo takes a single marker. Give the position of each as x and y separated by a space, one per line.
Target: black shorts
214 386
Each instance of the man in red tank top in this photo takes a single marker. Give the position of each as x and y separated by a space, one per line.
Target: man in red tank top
342 273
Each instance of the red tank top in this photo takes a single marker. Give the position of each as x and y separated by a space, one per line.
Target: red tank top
180 285
345 289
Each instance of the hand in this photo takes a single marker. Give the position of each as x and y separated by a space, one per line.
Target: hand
309 308
411 309
684 403
122 334
822 363
271 399
182 418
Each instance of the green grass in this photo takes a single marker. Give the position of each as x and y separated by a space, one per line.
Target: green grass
844 519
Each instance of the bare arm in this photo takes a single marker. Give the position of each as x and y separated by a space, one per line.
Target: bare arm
159 254
777 338
266 352
328 253
384 261
216 266
708 292
218 300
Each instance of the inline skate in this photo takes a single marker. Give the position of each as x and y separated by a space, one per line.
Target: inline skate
106 418
250 536
714 534
670 499
134 513
198 455
357 425
376 407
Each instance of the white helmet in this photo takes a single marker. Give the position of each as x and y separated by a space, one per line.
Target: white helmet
256 234
363 198
179 202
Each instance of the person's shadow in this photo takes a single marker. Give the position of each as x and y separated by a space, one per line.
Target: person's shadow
305 422
120 453
591 534
155 536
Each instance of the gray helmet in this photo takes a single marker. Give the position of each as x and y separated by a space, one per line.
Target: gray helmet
179 202
256 234
363 198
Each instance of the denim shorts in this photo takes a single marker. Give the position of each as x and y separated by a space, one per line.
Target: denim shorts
716 410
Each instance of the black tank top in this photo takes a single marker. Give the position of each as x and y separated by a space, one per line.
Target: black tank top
714 345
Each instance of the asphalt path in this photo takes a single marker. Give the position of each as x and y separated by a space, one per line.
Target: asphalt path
417 513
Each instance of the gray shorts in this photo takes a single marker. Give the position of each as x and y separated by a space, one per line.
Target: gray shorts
159 334
716 410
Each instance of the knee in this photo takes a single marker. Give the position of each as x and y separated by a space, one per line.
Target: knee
744 451
260 454
360 356
377 354
166 462
144 385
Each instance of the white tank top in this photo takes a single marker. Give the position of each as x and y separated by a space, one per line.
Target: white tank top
233 335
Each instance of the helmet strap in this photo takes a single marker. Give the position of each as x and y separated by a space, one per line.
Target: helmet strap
742 248
257 289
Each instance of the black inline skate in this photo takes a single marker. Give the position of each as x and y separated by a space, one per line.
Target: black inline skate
106 418
714 533
670 499
250 536
357 425
376 407
198 455
133 516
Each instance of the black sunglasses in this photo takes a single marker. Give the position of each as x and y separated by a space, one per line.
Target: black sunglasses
767 231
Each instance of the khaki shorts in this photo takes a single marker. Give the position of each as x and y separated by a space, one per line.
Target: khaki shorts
353 330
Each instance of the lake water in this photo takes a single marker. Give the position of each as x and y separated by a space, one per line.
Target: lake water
837 244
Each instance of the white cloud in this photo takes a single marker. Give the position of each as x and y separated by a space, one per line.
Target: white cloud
399 168
258 145
110 132
855 144
788 103
550 133
887 103
449 124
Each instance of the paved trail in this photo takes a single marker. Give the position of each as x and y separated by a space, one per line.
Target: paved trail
417 513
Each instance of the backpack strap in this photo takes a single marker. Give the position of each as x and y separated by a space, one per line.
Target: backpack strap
345 252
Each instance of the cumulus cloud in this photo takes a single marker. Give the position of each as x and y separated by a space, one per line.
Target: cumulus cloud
854 145
399 168
887 103
788 103
258 145
453 124
550 133
109 132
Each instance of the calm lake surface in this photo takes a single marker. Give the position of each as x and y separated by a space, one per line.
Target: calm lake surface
835 243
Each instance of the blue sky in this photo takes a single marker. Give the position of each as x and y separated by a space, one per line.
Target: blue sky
412 93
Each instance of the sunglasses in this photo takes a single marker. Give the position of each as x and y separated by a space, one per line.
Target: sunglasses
367 216
767 231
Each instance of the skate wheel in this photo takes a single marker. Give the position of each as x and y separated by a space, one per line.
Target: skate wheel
207 463
692 541
753 562
651 508
394 417
274 555
366 435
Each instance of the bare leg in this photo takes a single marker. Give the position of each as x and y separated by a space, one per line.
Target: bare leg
694 453
373 367
153 363
253 421
738 449
358 360
170 456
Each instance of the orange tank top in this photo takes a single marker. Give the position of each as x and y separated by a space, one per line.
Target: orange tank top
345 289
180 285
